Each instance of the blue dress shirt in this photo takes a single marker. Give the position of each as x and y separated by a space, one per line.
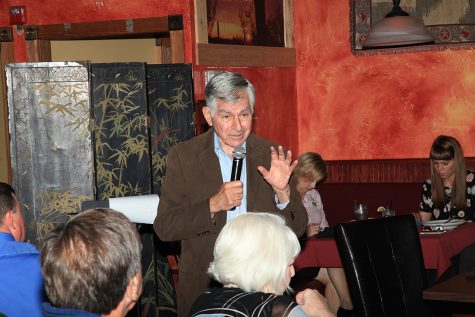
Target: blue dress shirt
226 164
51 311
21 286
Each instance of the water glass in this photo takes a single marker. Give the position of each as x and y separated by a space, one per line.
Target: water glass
361 212
388 212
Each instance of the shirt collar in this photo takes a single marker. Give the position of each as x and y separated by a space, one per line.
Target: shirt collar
6 236
217 145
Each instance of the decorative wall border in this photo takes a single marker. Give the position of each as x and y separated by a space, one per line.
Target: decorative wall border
382 171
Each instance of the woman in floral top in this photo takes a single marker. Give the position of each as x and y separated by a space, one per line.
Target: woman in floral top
450 192
310 171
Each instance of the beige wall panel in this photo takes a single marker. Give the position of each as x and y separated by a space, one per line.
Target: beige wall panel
105 51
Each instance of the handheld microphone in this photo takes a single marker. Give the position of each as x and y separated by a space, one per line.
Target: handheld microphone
239 153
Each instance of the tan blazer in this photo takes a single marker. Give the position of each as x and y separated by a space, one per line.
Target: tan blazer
193 175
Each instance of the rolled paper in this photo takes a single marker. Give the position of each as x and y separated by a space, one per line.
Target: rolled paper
139 209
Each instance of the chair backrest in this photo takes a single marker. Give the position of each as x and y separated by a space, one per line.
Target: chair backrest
384 266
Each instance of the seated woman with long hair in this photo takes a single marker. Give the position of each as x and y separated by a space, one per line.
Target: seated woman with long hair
450 191
253 259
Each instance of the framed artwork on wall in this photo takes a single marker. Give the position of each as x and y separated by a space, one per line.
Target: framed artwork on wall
451 23
244 33
248 22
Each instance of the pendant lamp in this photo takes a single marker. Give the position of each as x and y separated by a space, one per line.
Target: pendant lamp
397 29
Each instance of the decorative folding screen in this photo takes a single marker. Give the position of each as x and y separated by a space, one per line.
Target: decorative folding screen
119 106
170 95
51 149
136 113
170 104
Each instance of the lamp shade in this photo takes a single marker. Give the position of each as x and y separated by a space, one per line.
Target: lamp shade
397 31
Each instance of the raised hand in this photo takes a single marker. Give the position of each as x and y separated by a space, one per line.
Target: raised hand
279 173
229 195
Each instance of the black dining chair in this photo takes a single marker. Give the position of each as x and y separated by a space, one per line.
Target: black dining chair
383 262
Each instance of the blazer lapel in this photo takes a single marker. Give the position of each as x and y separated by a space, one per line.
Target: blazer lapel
253 159
211 176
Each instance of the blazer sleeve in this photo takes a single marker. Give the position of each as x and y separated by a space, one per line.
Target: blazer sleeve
261 196
182 214
295 213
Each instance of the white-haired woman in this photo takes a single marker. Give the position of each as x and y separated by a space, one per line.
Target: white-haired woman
253 259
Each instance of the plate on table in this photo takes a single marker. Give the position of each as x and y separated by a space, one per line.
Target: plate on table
444 221
443 224
433 232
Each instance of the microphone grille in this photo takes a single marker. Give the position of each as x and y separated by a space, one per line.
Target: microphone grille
239 152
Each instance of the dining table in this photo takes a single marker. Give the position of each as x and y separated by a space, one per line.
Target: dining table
437 249
460 288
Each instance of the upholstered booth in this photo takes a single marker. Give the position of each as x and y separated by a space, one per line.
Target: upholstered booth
383 262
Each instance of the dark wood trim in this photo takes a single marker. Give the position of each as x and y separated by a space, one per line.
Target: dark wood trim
38 51
132 28
242 55
31 32
168 28
382 171
163 50
177 46
6 34
175 22
6 56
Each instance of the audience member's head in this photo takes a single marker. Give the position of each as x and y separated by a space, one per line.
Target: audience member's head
228 87
311 167
11 218
92 263
255 252
448 163
447 148
310 170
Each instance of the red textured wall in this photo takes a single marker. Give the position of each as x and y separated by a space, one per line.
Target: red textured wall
4 19
61 11
346 107
275 112
276 115
380 106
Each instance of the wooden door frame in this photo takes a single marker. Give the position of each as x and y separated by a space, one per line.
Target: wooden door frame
167 30
6 56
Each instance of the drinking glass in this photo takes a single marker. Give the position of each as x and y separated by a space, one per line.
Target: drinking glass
361 211
388 212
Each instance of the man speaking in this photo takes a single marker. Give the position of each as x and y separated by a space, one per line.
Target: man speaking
197 194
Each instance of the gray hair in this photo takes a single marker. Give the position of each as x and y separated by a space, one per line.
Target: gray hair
253 252
228 87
